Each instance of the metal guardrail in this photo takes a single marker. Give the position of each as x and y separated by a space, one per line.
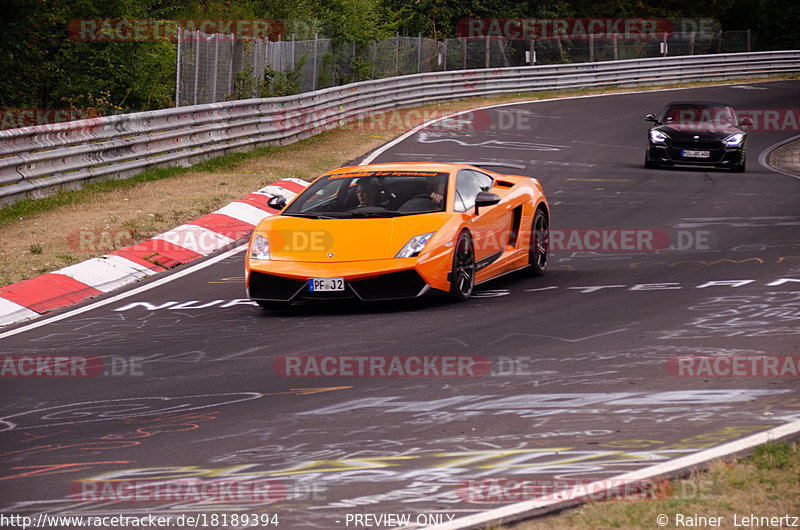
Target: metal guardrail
38 160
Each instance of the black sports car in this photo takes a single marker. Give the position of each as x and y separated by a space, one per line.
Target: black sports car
697 133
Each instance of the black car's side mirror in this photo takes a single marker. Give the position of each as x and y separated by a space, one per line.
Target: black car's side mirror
652 118
746 121
486 198
277 202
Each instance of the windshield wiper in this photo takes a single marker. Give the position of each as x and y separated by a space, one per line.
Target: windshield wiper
310 215
357 213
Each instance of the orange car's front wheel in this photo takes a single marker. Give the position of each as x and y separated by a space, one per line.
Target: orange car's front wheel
539 250
462 275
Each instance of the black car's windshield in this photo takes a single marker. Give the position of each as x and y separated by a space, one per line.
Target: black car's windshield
372 194
699 115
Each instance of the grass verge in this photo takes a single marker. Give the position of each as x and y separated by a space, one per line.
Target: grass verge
39 236
765 484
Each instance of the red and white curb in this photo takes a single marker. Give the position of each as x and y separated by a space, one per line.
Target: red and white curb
204 236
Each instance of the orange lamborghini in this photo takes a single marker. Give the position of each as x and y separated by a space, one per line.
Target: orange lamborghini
400 230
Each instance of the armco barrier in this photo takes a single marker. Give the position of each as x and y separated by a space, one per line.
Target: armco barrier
35 161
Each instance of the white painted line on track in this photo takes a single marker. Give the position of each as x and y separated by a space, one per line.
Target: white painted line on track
100 303
517 511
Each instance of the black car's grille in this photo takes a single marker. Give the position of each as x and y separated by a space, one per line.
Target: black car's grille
403 284
270 287
705 145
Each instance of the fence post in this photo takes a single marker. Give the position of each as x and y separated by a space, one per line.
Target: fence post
560 47
196 63
591 47
374 51
419 53
397 53
444 54
533 52
216 62
719 42
230 68
178 65
691 42
464 52
292 48
664 44
615 39
748 40
314 79
487 51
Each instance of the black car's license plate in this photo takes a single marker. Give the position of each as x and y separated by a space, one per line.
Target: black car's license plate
686 153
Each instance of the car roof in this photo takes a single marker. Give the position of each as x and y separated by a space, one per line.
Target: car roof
442 167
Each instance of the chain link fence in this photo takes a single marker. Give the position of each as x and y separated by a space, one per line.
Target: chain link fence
218 67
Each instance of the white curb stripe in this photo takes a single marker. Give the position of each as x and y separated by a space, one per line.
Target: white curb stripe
106 273
244 212
11 312
302 182
195 238
272 190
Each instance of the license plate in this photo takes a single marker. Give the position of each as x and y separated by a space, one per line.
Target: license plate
695 154
325 284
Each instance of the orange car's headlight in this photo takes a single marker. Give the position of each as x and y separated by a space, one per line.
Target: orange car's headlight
414 246
260 248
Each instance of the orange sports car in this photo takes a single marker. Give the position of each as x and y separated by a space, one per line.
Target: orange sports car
399 230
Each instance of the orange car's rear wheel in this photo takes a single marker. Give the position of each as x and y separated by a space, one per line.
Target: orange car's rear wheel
539 250
462 275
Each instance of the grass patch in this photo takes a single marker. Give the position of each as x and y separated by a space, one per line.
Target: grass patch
765 484
37 233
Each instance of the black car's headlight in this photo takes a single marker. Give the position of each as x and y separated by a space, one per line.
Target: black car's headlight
658 137
734 140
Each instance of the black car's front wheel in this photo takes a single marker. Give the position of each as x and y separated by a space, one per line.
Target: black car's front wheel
462 275
539 250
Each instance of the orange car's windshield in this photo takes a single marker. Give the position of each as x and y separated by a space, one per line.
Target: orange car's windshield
372 194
